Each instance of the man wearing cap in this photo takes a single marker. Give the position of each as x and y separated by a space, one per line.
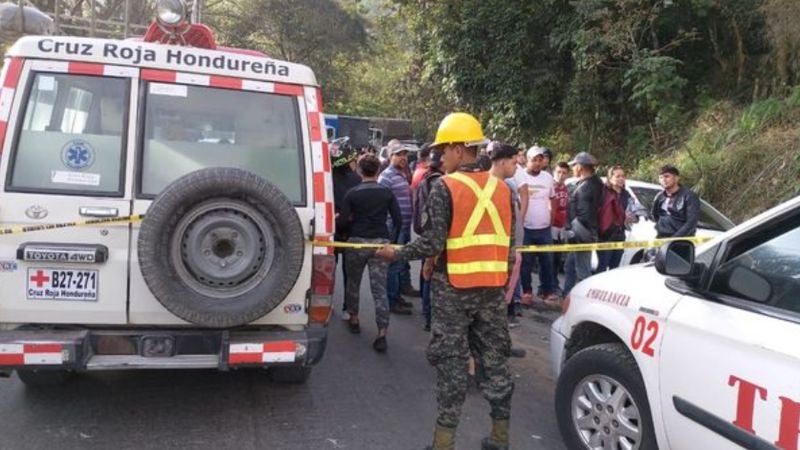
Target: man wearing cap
537 187
470 219
583 225
676 208
394 178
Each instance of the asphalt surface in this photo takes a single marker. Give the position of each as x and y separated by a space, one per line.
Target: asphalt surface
355 399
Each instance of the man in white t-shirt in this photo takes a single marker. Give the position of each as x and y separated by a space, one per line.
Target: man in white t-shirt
537 196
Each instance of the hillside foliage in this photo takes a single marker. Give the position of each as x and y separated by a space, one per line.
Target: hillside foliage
708 84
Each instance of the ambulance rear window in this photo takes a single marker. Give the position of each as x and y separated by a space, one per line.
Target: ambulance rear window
71 136
193 127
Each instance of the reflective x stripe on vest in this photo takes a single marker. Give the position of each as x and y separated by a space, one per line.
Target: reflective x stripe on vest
478 242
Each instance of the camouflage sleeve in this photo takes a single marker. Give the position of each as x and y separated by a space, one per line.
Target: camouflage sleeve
435 223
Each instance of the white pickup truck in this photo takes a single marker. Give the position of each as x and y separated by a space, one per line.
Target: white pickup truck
687 352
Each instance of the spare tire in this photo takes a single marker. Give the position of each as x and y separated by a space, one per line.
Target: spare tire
221 247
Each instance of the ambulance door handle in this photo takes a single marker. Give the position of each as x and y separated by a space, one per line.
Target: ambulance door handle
98 211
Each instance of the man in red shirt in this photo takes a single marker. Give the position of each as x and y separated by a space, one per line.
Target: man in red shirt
423 161
560 208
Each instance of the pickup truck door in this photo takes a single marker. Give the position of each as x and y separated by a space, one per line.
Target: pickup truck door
730 360
63 160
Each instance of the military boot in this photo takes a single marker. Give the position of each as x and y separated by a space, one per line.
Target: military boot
444 438
498 439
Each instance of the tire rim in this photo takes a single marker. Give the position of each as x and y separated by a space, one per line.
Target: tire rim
605 415
223 248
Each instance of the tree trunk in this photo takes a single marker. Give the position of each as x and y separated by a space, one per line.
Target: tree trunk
782 53
741 55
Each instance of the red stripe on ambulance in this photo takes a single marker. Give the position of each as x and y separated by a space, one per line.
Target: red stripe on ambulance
262 352
164 76
35 353
11 74
289 89
226 82
85 68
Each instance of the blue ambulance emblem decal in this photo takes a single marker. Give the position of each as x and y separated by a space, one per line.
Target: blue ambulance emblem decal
77 154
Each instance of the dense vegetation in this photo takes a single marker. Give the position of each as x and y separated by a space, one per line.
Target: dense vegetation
709 84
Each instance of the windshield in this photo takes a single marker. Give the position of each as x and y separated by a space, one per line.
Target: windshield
709 218
193 127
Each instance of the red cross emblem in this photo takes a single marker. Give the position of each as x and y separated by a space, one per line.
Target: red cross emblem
40 278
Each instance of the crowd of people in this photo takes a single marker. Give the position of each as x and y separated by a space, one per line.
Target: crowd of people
471 202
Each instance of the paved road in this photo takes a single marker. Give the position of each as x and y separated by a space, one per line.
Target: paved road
355 399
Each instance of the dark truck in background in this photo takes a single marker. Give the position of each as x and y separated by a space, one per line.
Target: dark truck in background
365 131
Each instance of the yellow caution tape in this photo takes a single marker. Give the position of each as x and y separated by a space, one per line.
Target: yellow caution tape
78 223
354 245
351 245
544 248
559 248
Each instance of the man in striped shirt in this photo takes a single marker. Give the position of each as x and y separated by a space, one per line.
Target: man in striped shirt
394 178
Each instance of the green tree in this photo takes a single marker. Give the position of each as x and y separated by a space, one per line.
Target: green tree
319 33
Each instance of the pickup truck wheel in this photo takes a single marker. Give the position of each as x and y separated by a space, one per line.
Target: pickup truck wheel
221 247
601 401
42 377
289 375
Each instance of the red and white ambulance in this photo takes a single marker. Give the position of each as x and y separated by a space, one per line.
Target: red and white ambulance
223 153
688 352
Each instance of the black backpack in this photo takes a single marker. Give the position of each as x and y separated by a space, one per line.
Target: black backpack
421 198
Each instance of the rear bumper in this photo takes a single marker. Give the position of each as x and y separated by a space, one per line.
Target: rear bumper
121 349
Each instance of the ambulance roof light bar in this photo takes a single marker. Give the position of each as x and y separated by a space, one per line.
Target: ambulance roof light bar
173 26
171 12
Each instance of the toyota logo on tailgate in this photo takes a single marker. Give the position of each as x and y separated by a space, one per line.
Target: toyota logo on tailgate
36 212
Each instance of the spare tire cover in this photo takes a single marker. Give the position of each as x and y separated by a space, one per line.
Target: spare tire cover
221 247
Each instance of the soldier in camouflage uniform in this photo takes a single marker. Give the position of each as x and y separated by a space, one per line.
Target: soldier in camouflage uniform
465 321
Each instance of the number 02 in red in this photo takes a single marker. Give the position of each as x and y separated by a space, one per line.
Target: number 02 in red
644 334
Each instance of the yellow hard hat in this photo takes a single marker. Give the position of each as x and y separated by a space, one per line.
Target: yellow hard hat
460 128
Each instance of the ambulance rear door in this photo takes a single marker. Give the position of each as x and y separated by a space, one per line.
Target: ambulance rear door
63 160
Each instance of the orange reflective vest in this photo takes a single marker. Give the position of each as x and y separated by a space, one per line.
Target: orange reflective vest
478 242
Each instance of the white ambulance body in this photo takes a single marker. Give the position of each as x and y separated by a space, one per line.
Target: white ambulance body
688 353
97 129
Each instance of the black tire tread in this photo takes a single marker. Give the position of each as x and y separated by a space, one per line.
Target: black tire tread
199 186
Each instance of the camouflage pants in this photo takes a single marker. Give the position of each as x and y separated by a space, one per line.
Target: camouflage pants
469 322
354 264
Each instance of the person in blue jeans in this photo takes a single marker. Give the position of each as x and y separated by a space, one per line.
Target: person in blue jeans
420 201
397 304
536 188
394 178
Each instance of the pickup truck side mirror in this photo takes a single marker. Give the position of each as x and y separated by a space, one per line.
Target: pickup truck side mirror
675 259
